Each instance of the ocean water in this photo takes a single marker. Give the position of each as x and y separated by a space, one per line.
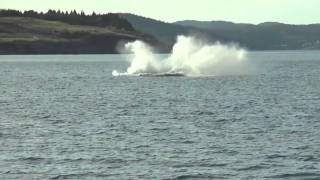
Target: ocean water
67 117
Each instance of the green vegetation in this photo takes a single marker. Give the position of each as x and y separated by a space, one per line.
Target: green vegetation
73 17
265 36
269 35
20 28
57 32
20 34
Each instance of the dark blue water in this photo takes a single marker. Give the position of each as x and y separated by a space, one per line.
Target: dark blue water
66 117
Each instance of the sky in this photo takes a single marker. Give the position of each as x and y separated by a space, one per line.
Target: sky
240 11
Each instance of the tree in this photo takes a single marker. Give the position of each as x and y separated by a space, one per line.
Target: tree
101 20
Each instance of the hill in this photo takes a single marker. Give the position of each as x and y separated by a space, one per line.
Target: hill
213 25
35 35
166 32
57 32
264 36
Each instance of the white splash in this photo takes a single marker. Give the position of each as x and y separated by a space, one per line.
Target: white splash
189 56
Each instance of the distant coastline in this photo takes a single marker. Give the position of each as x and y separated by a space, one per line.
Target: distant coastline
57 32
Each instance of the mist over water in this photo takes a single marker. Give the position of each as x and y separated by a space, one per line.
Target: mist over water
190 56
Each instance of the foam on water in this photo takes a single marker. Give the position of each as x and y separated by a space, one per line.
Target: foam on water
190 56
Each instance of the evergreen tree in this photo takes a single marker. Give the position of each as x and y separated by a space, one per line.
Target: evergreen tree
101 20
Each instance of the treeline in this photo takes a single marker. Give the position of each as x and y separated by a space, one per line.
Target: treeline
74 17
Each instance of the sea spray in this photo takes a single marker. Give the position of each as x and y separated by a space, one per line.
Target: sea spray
190 56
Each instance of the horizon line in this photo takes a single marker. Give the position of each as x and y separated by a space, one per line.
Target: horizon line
160 20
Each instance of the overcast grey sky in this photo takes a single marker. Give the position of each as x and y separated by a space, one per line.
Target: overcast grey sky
246 11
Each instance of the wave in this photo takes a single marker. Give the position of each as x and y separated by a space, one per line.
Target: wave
190 57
